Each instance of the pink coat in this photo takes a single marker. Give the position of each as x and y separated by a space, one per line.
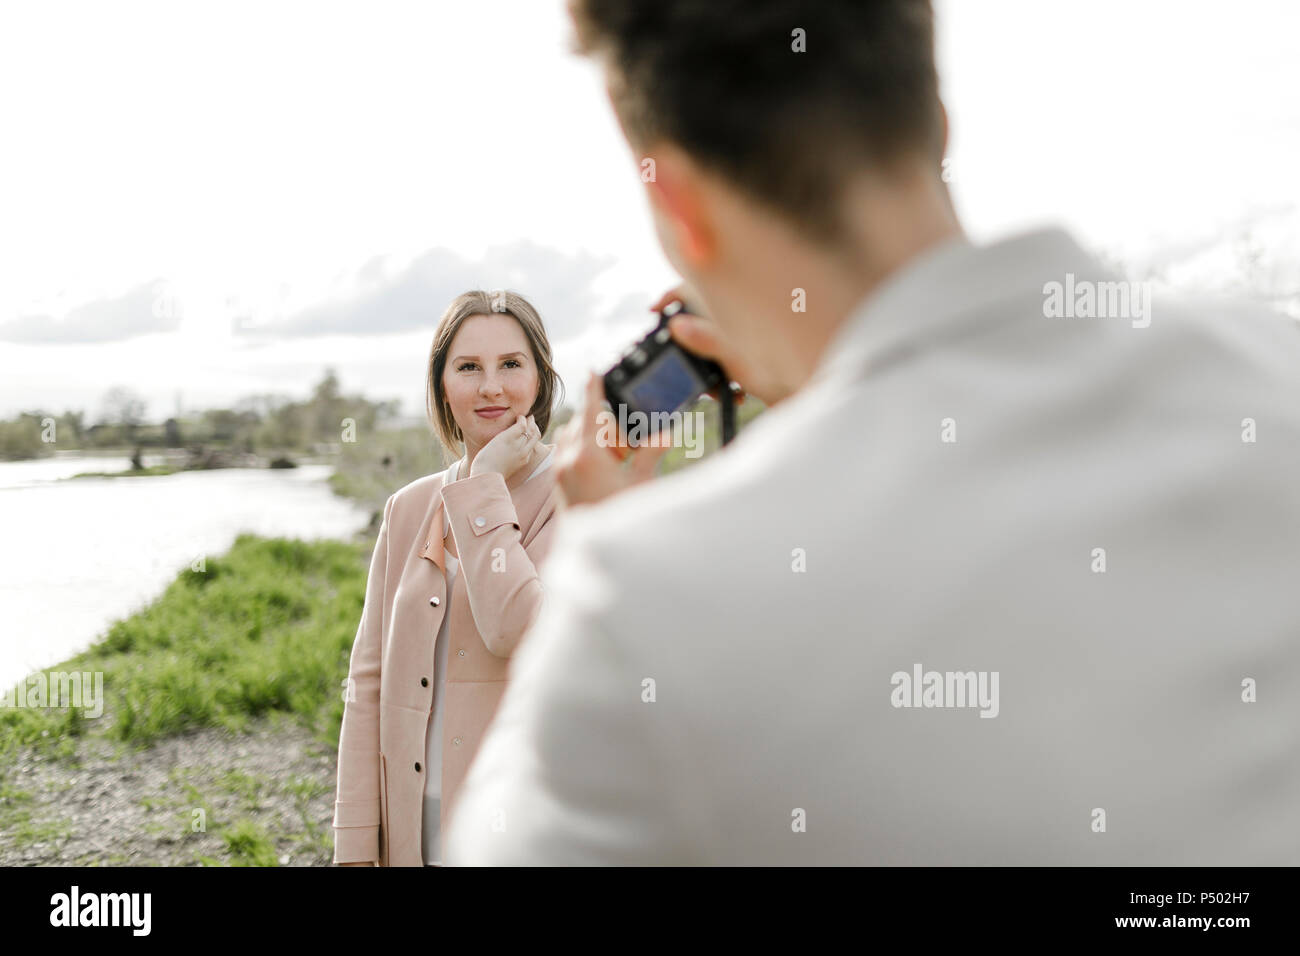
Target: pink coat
501 538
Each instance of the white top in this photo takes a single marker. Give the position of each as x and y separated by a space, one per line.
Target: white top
431 827
801 600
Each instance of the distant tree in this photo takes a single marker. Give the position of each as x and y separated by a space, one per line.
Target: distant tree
75 423
327 408
328 388
226 424
21 437
123 407
262 404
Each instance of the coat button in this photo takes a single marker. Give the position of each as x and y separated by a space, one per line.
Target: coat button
461 652
435 601
424 682
417 766
456 741
480 521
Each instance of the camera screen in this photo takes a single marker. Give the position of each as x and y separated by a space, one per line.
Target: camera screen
666 384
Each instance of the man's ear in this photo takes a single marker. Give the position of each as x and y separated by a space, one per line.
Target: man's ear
943 134
682 211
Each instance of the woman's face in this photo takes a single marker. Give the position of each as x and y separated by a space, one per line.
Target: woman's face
490 378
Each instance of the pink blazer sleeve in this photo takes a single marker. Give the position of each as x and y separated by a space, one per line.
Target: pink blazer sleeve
501 578
356 804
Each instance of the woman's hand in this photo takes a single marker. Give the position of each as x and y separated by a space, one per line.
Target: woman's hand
508 451
700 334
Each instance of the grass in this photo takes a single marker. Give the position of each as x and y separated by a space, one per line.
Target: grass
16 819
248 844
266 627
129 473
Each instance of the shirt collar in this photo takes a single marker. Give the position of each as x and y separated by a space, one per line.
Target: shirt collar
947 289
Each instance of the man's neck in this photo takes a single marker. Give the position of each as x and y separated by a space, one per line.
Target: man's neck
891 228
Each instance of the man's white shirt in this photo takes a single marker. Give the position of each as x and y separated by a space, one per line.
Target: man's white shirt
733 663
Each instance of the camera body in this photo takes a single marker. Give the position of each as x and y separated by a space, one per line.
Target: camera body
655 375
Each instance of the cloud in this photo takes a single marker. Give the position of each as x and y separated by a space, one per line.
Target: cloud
141 311
413 296
384 297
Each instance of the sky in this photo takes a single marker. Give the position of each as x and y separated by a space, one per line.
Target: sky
206 201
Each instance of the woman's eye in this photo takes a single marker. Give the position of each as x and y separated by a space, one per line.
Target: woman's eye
514 362
464 366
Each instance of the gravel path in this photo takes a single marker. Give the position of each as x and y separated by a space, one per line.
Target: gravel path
266 797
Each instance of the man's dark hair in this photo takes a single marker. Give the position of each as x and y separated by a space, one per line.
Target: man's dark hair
722 80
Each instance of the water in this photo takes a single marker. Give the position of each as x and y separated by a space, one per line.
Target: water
77 555
39 471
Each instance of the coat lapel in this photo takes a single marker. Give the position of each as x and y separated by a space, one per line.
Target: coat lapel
433 533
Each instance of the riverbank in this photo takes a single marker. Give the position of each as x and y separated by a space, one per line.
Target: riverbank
217 740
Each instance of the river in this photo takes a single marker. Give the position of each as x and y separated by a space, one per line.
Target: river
78 555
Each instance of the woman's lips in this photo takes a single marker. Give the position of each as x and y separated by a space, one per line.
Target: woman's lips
496 412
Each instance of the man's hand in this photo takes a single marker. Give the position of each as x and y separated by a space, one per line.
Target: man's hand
509 450
587 470
700 334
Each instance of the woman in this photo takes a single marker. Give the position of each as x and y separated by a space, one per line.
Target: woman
453 586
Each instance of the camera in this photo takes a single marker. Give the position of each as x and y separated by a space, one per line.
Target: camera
656 377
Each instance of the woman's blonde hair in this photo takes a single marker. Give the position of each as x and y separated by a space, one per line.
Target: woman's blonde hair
478 302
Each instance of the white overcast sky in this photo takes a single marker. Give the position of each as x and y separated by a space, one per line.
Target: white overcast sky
207 201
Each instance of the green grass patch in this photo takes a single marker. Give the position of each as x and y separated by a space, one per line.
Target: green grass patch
248 844
16 819
265 628
129 473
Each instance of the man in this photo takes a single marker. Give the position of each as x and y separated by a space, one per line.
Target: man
1006 576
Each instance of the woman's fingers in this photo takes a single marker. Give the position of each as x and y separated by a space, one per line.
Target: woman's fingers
525 432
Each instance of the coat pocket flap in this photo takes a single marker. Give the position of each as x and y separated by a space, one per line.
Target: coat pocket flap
492 517
483 501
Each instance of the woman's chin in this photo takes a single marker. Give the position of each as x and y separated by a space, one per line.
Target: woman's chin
488 429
